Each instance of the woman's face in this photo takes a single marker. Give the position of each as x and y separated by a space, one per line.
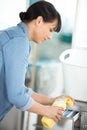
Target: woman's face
43 30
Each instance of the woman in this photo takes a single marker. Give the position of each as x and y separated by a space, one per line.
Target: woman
37 24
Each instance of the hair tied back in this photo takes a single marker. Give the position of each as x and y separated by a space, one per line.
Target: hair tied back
22 16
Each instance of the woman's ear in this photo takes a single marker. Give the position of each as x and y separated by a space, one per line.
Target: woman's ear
39 20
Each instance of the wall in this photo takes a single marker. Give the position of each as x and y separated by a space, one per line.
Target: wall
9 12
80 27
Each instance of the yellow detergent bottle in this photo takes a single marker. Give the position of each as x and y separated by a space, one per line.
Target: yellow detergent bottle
48 122
69 102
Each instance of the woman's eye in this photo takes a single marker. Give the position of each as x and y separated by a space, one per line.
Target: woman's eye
51 30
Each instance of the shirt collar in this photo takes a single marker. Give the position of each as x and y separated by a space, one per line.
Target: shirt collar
24 27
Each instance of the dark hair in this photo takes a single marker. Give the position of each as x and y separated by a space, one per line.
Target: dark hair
44 9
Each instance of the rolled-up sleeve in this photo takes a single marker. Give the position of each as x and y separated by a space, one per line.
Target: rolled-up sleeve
16 53
30 101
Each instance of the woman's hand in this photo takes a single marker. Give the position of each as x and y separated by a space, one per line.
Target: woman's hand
66 96
54 112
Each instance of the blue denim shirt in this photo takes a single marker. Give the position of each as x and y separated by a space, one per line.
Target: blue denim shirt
14 53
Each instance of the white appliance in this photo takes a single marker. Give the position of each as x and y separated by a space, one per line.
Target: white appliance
74 67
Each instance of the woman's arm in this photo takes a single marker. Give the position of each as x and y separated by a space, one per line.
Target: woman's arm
53 112
49 101
42 99
43 106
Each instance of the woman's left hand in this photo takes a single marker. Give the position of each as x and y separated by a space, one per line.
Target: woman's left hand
67 96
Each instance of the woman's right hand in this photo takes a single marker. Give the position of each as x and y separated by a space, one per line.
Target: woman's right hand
54 112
